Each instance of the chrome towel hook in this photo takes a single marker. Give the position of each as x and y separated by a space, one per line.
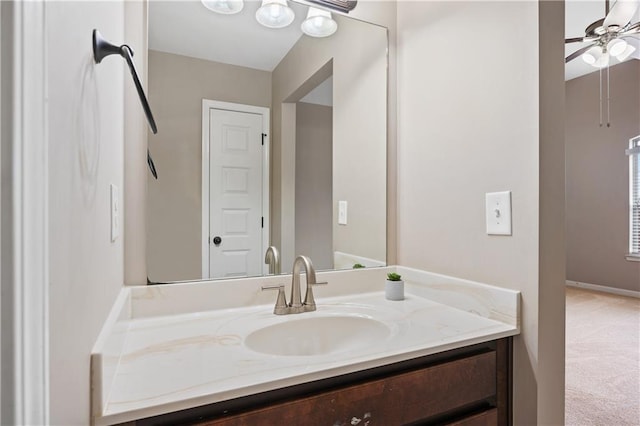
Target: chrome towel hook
101 49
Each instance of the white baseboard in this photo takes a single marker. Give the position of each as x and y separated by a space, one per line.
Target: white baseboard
604 289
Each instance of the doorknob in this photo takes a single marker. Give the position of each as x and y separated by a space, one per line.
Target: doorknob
217 240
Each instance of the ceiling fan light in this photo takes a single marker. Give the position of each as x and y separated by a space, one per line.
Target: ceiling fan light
225 7
627 52
603 61
617 46
275 14
319 23
592 55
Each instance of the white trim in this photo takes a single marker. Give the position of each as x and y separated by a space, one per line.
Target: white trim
604 289
207 104
632 151
633 257
29 199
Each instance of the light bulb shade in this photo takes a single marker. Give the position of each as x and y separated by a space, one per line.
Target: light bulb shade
592 55
627 52
275 14
226 7
319 23
616 46
603 61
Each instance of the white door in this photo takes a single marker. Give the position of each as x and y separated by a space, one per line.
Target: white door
235 193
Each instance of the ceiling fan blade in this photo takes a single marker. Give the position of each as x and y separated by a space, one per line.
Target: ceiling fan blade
633 31
578 53
621 13
574 40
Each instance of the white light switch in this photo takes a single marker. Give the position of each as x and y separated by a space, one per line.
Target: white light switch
342 212
115 213
498 212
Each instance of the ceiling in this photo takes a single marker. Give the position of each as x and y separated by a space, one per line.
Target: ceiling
579 14
188 28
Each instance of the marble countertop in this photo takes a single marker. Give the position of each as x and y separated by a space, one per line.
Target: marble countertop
151 363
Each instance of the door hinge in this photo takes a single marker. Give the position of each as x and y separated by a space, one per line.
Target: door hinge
264 135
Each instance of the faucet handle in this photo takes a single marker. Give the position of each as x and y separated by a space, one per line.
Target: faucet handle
309 302
281 302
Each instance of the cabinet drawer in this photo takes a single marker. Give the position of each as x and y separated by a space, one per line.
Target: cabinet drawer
486 418
404 398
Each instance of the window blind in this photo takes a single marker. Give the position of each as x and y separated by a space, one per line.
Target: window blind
634 198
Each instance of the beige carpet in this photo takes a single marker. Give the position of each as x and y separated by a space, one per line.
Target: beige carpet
602 359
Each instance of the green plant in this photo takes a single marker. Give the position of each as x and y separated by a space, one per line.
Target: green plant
358 266
392 276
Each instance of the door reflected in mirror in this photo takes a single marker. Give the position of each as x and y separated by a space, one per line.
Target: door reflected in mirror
266 137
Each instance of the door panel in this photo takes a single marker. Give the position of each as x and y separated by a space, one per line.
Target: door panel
235 199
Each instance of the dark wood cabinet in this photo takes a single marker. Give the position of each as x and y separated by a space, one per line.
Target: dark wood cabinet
464 387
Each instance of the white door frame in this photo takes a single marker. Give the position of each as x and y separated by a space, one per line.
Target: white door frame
207 104
26 227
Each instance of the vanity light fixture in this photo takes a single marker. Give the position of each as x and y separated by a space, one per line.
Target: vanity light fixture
344 6
225 7
319 23
275 14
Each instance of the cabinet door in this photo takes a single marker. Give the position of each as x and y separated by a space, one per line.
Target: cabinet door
396 400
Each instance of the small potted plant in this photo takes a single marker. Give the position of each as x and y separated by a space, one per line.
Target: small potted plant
394 287
358 266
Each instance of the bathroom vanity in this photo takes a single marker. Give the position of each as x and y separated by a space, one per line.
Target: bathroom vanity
214 353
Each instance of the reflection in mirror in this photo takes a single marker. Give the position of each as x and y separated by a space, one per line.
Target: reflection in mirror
267 137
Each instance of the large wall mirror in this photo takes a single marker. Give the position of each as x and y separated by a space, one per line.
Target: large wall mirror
266 137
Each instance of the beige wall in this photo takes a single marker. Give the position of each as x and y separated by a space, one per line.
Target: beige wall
314 184
358 55
551 230
500 108
598 178
177 85
469 123
85 136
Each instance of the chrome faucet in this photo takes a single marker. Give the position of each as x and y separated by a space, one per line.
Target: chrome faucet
272 258
296 305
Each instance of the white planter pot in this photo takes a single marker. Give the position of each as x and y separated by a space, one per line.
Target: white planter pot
394 290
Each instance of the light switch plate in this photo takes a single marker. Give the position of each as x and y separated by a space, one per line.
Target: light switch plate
342 212
115 213
498 213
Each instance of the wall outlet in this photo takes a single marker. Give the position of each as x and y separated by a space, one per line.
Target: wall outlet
498 213
115 213
342 212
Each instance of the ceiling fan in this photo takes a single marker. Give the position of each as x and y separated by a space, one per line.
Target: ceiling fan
608 36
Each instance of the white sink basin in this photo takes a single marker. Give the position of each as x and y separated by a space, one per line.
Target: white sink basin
317 335
335 328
